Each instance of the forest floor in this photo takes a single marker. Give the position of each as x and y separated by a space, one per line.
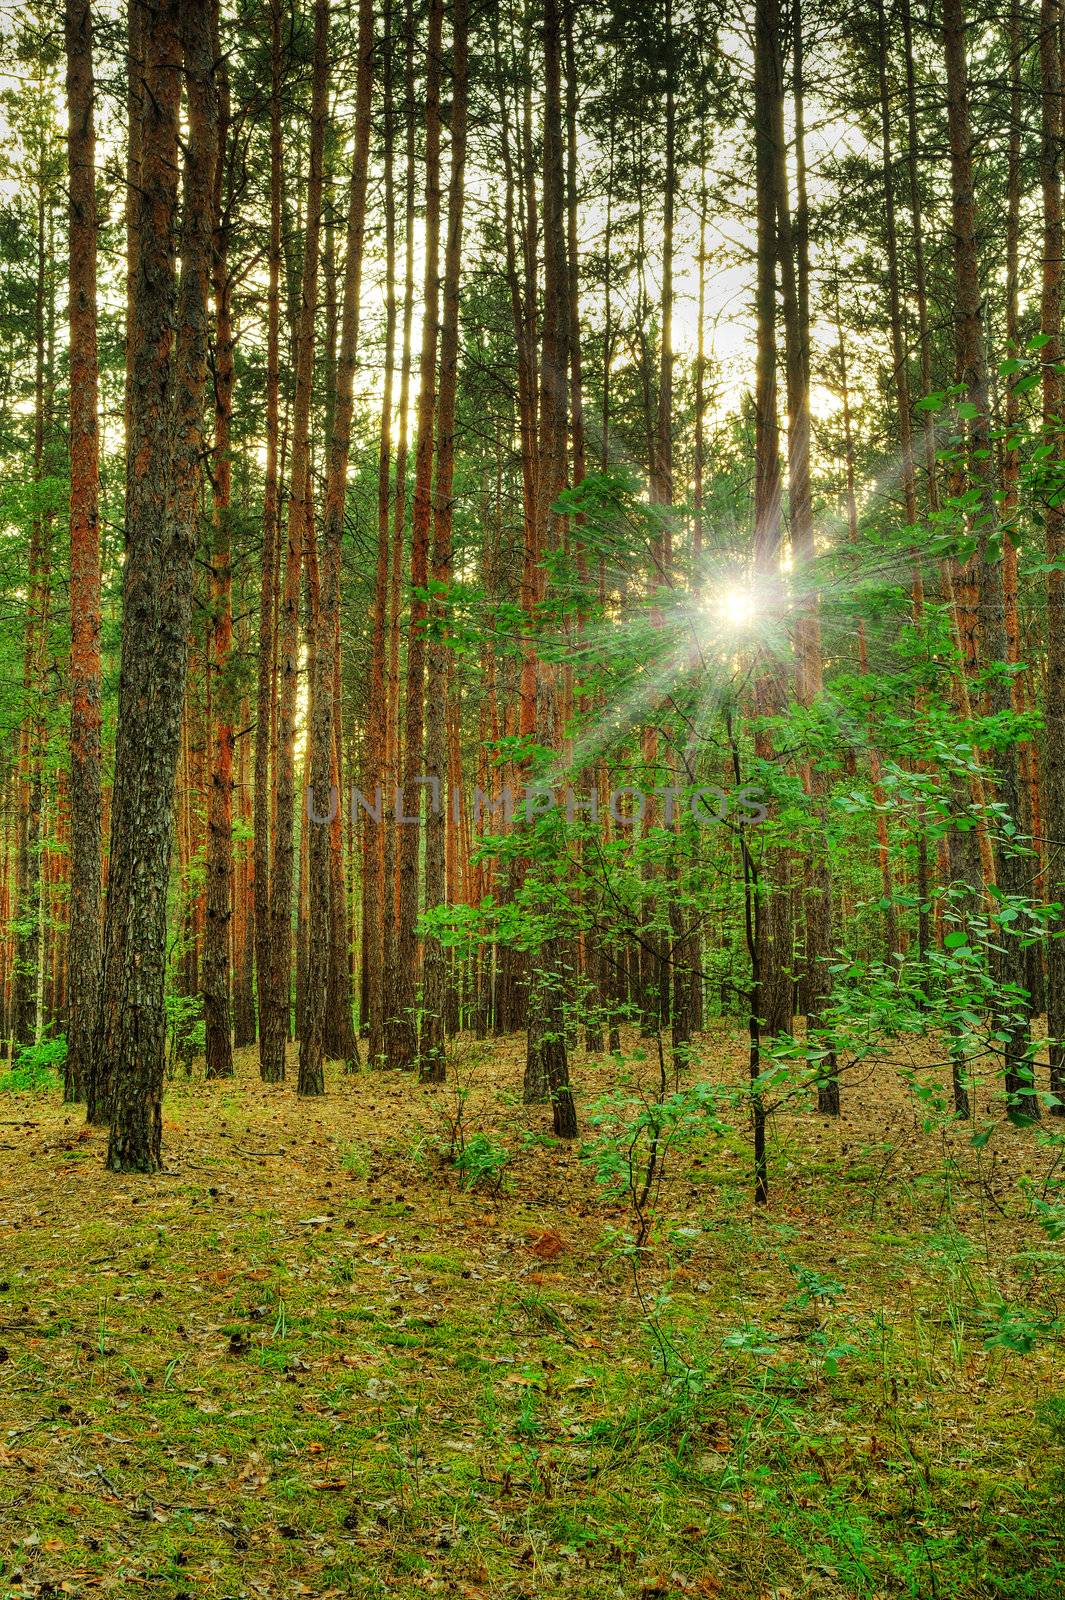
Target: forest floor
308 1359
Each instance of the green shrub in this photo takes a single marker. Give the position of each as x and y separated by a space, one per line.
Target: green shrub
36 1067
482 1162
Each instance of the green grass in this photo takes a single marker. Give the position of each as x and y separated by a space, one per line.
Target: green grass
216 1394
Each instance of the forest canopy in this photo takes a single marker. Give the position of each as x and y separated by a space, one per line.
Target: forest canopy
426 405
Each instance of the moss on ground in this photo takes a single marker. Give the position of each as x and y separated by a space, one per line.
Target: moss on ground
305 1360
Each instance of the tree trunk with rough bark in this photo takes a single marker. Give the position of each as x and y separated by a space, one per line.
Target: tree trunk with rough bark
547 1063
324 788
169 344
972 369
378 709
404 1042
275 1023
85 716
1023 699
771 935
393 752
219 867
774 922
1053 396
438 975
265 743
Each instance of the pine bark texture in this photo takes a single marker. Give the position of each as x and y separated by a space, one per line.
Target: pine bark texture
971 353
219 889
547 1061
265 742
1053 125
169 343
404 1037
85 712
275 1023
325 924
772 997
437 970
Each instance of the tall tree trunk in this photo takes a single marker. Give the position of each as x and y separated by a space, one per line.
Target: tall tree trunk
265 744
902 386
378 710
438 975
405 1032
891 938
795 275
399 517
27 966
902 391
925 343
519 230
275 1031
323 732
1051 356
977 851
593 959
85 827
791 248
769 932
972 367
547 1061
165 450
219 896
1028 755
